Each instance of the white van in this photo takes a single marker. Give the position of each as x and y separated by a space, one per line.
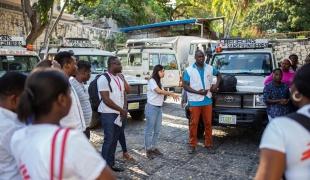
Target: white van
141 55
140 63
201 44
14 56
98 58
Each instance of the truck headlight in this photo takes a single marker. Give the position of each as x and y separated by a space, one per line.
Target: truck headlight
144 89
259 100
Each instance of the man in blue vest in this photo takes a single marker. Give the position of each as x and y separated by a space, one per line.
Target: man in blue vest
198 83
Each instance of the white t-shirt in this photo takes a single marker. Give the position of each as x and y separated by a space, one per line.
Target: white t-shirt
117 94
83 96
8 125
153 97
75 117
31 147
287 136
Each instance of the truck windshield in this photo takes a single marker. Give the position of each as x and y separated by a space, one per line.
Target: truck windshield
243 63
17 63
98 62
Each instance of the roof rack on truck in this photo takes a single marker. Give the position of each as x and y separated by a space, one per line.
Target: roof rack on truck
15 55
241 44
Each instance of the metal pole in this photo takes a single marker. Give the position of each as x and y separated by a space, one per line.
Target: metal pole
201 30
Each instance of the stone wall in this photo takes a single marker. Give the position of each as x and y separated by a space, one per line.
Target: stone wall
283 48
12 23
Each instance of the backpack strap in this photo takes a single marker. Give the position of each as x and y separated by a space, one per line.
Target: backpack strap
301 119
62 151
109 80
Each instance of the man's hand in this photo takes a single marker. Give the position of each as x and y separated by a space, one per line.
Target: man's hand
123 113
203 92
214 89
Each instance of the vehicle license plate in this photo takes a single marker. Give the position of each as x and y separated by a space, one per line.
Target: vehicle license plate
134 105
227 119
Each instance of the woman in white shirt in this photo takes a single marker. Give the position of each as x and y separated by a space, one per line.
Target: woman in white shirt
285 145
44 150
153 111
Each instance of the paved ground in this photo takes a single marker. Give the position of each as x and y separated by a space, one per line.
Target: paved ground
234 156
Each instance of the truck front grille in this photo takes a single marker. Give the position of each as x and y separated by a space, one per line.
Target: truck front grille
248 101
227 100
236 100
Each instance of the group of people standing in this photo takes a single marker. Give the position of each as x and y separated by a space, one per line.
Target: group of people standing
44 127
44 131
284 147
46 117
277 85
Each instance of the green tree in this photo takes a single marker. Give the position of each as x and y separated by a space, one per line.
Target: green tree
283 16
38 14
126 12
234 12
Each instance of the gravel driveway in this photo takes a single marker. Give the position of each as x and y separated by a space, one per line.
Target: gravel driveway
234 155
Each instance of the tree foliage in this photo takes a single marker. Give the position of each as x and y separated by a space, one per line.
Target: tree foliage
281 15
242 17
126 12
38 15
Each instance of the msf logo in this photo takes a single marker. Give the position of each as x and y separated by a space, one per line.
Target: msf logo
24 172
306 154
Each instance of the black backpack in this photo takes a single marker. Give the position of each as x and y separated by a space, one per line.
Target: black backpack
93 92
228 84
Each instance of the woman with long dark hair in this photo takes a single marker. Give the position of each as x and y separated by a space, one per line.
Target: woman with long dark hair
44 150
153 110
285 145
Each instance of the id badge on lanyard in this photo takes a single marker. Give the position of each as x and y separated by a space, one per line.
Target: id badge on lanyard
119 85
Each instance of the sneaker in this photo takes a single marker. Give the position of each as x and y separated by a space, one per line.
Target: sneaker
117 169
191 150
150 154
127 157
157 152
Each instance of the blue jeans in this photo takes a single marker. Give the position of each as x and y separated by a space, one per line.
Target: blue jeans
111 135
122 138
153 115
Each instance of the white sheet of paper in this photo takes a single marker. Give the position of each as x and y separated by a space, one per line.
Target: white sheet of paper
118 121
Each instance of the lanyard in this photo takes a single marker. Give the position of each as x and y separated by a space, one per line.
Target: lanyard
118 83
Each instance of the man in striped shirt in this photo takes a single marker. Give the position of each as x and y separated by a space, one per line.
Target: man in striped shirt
77 82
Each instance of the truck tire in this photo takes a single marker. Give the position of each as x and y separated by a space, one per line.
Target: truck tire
137 115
